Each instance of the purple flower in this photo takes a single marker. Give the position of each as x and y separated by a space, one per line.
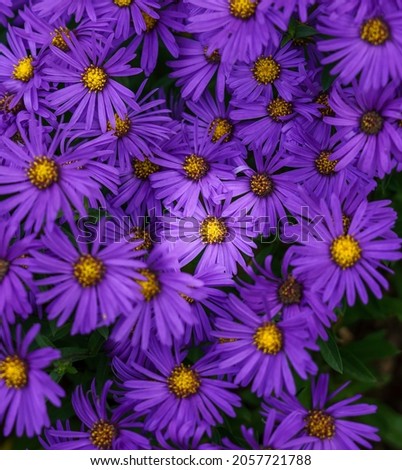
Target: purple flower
100 429
54 9
87 71
300 5
82 282
24 386
5 11
172 394
325 423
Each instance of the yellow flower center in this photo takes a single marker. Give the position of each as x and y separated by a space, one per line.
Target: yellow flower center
325 109
195 167
5 102
150 22
94 78
243 9
102 434
13 371
213 230
374 31
183 381
345 251
371 123
266 70
219 128
320 424
144 168
150 287
138 233
122 126
58 39
23 70
4 267
324 165
122 3
268 339
43 172
89 271
215 57
290 292
278 108
261 184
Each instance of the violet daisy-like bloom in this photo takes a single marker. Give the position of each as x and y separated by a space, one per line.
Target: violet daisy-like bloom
25 388
274 67
5 11
368 45
161 307
195 68
39 183
21 71
262 351
82 281
348 262
101 429
239 29
367 128
172 394
218 239
324 422
90 89
55 9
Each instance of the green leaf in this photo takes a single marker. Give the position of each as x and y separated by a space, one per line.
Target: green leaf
304 31
353 367
330 353
373 346
44 342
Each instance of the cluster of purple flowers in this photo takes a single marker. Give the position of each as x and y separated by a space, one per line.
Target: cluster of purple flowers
186 184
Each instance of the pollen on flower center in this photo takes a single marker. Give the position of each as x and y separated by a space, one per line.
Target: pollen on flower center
219 128
150 287
213 230
144 168
13 371
374 31
268 339
261 184
58 39
150 22
325 109
266 70
43 172
4 267
122 126
89 271
94 78
345 251
371 123
320 424
213 58
183 381
138 233
123 3
290 291
195 167
279 108
102 434
324 165
243 9
23 70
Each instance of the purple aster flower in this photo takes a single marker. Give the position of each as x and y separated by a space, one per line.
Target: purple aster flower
39 183
347 252
196 168
263 351
300 5
21 71
217 238
239 29
267 118
195 68
100 429
5 11
274 67
82 281
367 128
15 276
128 14
24 387
324 422
54 9
172 394
89 87
162 307
369 45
